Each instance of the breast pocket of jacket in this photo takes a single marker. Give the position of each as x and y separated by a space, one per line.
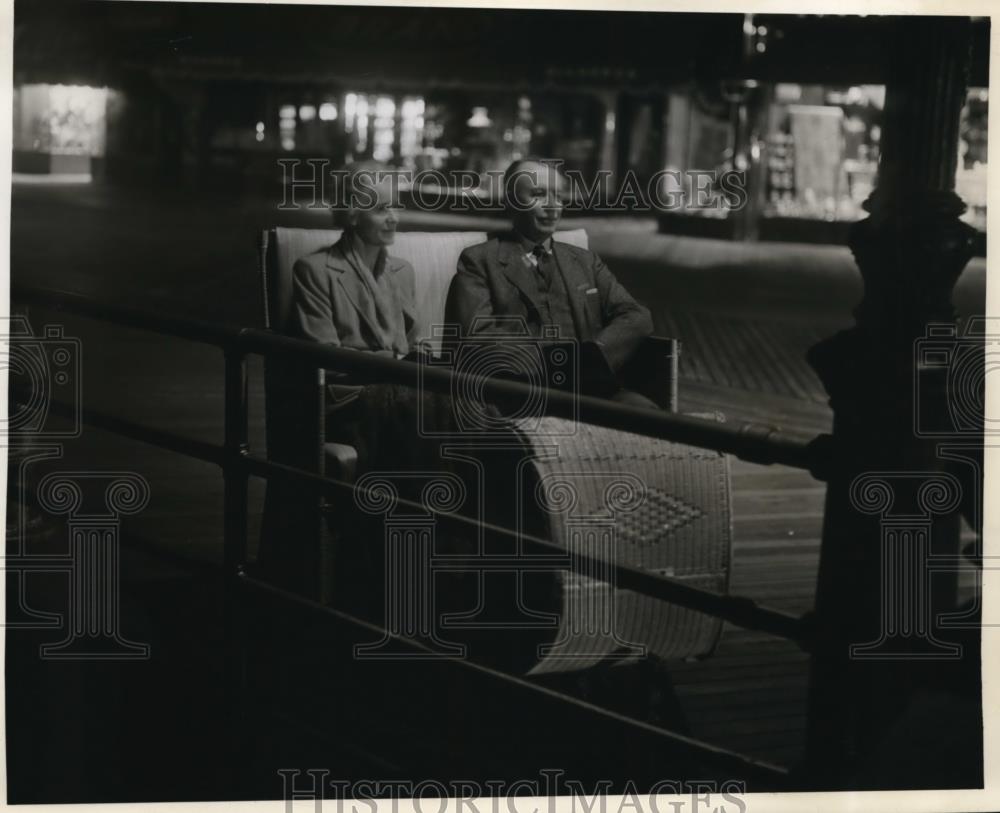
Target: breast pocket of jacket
592 305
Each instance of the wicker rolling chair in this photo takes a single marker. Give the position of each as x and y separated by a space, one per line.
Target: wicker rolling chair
682 527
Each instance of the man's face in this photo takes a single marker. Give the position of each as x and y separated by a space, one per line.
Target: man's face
376 224
536 200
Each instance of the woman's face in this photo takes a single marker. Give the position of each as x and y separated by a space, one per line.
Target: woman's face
376 224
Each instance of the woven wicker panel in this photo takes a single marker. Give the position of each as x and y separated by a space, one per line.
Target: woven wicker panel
664 507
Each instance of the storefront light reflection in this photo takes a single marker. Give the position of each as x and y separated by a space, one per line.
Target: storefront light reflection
479 118
61 119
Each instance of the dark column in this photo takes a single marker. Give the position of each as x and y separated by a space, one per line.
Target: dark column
910 251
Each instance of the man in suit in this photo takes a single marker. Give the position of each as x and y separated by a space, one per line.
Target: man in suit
525 280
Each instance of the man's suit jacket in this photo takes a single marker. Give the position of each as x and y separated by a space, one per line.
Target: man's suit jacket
331 304
494 280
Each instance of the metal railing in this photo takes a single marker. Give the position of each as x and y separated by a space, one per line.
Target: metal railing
751 442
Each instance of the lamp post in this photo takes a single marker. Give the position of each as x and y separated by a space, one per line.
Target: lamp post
910 251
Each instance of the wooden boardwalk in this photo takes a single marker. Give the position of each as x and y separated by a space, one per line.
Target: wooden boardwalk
750 695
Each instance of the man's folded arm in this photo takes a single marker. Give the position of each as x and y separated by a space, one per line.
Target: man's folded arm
626 322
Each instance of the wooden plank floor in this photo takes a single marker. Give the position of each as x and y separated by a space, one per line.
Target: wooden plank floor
750 695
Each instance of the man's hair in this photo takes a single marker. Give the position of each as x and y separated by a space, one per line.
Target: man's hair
354 183
514 171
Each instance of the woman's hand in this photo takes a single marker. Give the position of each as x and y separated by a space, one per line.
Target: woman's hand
420 354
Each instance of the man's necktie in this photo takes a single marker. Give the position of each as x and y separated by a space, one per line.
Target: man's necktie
544 265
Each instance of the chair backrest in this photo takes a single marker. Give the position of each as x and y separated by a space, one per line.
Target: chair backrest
433 255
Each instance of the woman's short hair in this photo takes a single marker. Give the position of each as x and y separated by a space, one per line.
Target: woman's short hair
352 186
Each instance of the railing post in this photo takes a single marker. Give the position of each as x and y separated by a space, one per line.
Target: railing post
237 445
235 507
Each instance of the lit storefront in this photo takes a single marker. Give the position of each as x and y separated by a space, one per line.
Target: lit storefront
60 129
809 154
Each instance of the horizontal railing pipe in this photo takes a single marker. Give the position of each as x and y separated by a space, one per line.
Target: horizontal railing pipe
221 335
189 447
753 442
